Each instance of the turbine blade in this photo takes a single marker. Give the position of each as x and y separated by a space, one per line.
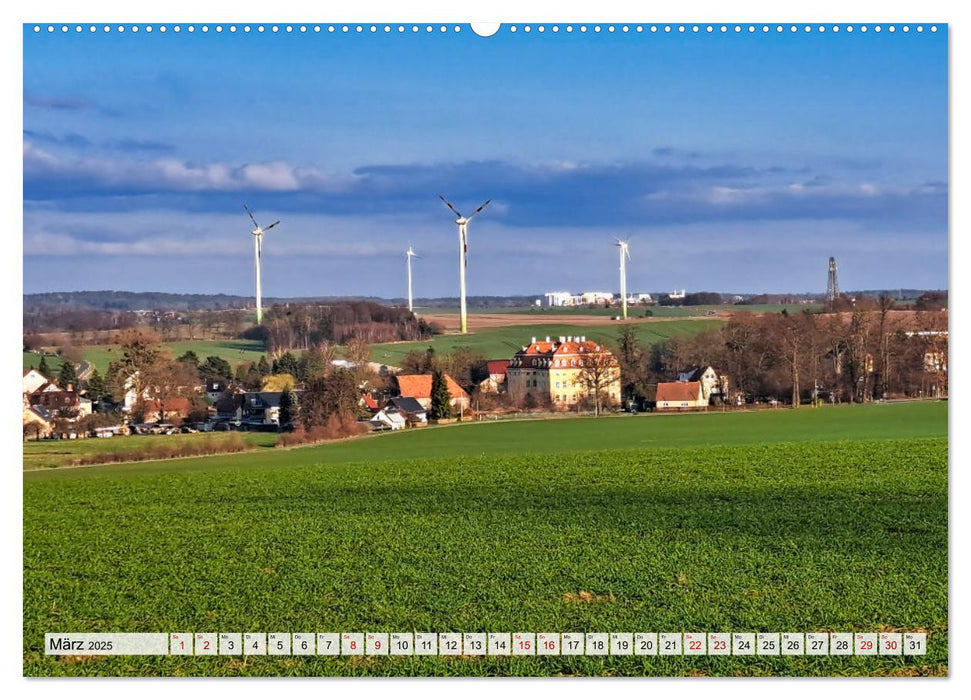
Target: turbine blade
270 226
252 218
481 207
449 205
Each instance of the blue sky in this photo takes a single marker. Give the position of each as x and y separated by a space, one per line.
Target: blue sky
734 162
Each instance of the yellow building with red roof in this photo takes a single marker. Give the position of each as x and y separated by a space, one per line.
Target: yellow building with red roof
565 371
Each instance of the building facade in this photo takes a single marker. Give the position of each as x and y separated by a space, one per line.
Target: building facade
564 371
680 396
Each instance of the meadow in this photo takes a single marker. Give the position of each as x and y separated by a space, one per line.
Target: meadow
233 351
49 454
503 343
817 519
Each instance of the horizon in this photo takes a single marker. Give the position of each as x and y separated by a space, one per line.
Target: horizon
739 159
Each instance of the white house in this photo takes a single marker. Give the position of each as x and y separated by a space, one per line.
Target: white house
33 380
712 384
388 419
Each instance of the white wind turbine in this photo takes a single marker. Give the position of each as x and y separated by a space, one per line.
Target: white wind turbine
410 254
258 254
463 224
624 246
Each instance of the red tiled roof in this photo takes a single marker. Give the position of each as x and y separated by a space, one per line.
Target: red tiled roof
371 402
177 404
497 366
419 386
678 391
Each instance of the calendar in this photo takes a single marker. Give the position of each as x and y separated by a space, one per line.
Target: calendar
393 644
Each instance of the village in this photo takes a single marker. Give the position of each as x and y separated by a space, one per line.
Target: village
754 361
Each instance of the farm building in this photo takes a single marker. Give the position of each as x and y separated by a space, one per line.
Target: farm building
560 370
680 396
419 387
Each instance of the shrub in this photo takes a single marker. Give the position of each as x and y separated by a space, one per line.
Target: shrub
336 426
208 445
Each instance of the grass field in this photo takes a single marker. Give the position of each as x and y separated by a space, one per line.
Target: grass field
503 343
47 454
825 519
233 351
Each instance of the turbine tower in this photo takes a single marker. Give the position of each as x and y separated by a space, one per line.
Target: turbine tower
409 255
258 255
832 285
463 224
624 246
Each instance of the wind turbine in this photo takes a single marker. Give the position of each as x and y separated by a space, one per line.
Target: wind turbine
410 254
463 224
258 254
624 246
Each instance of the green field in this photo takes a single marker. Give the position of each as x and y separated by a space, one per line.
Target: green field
503 343
233 351
47 454
817 519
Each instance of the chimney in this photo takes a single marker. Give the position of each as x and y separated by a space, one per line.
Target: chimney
562 339
534 339
583 338
547 339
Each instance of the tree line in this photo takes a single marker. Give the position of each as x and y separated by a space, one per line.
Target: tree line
874 351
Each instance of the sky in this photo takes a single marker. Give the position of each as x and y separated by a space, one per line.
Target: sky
734 162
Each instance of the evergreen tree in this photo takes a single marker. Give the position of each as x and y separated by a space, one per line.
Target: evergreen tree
43 368
288 407
190 358
97 387
263 366
441 400
67 375
287 364
215 369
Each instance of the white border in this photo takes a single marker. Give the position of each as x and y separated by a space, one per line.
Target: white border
829 11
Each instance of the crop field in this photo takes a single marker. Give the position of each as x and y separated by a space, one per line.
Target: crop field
825 519
502 343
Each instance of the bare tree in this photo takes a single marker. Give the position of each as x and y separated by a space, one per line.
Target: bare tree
599 370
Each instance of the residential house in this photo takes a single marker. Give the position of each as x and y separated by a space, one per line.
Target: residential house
214 389
388 418
84 371
713 385
177 407
33 380
370 403
409 407
419 387
559 370
680 396
38 423
496 381
58 402
261 408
